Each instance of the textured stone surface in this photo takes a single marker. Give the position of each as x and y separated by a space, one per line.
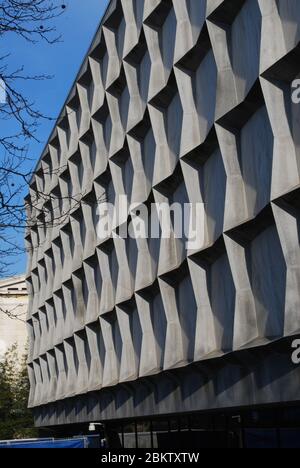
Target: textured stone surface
13 303
177 100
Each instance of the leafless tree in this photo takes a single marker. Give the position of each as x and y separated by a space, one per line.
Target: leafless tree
32 21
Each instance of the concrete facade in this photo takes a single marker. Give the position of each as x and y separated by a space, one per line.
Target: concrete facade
13 310
188 101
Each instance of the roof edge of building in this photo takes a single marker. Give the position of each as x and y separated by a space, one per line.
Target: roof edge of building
110 6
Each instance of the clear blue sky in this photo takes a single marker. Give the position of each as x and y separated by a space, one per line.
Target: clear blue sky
77 25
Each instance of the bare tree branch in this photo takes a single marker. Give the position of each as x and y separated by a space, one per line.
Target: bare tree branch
33 21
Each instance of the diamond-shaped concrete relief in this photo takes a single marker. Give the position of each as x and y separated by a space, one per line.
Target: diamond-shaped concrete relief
183 101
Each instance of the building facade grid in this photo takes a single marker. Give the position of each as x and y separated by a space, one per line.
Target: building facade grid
177 100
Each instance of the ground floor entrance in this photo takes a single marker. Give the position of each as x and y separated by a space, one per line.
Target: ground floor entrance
273 427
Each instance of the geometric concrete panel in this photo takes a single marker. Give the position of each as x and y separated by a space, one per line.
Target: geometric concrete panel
176 101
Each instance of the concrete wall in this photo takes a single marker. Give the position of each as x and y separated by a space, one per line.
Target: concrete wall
177 100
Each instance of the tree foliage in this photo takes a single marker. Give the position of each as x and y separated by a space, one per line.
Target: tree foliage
16 420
